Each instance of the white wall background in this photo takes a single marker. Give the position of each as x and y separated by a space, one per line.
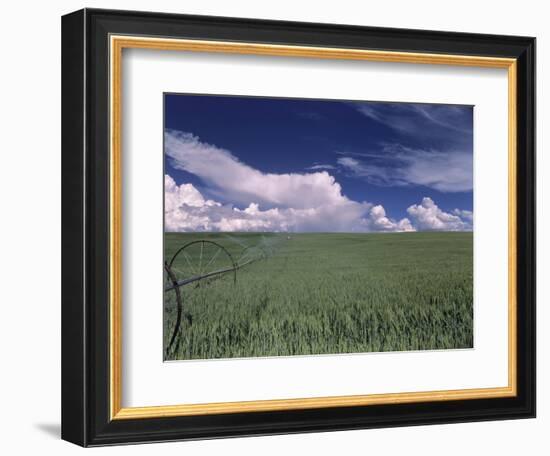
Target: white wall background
30 205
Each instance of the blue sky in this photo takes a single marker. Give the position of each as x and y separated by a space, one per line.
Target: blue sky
282 156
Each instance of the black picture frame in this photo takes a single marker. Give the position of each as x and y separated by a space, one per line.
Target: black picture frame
85 225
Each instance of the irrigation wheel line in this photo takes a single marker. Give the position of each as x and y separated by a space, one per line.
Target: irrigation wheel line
204 267
201 266
177 291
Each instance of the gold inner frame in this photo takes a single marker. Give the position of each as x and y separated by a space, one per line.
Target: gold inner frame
117 44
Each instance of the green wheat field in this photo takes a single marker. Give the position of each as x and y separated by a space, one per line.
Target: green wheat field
306 294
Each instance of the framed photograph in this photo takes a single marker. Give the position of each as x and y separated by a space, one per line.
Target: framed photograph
277 227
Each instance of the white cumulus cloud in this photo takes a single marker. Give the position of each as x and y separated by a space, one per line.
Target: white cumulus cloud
240 183
187 210
378 221
274 202
428 216
466 215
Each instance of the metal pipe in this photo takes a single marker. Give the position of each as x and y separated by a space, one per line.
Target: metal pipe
189 280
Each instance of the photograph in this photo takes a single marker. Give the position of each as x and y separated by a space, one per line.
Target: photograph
272 226
297 227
